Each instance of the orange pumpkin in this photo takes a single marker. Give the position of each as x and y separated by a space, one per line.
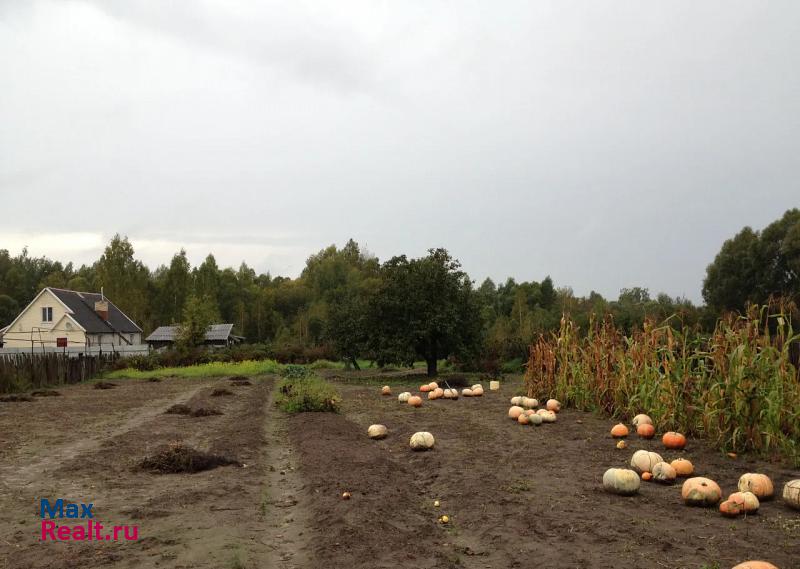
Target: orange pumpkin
433 385
619 430
386 390
755 565
553 405
682 467
673 440
415 401
758 484
515 411
739 503
433 395
425 388
646 431
647 475
701 491
523 419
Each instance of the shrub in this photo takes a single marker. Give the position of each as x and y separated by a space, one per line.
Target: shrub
299 395
294 371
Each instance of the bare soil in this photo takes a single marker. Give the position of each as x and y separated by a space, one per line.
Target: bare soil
516 496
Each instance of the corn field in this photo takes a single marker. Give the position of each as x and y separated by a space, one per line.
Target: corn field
736 387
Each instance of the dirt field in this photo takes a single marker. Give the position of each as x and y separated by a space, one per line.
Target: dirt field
517 496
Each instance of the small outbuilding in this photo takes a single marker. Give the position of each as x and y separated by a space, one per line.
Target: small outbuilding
217 335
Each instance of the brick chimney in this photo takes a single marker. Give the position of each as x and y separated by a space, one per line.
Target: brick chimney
101 308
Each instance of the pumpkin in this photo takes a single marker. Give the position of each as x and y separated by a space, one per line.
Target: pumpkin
433 395
542 411
553 405
477 386
529 412
739 503
377 431
619 430
621 481
439 392
646 431
433 385
548 417
673 440
516 400
494 385
415 401
755 565
515 411
404 397
644 461
422 441
622 445
647 475
701 491
642 419
523 419
791 493
535 419
477 392
450 394
758 484
682 467
386 390
664 473
530 402
425 388
466 392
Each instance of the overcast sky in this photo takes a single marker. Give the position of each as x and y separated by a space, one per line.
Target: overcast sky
607 144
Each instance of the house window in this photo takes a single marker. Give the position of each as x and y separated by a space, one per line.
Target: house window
47 314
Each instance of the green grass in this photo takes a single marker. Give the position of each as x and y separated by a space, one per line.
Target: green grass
203 370
307 394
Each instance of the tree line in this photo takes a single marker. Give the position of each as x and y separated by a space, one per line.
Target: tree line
347 304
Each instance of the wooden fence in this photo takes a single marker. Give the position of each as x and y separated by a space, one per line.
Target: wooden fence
20 372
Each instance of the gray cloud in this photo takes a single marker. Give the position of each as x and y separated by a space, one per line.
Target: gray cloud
609 144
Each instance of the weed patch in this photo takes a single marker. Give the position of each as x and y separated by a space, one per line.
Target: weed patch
15 398
45 393
309 394
104 385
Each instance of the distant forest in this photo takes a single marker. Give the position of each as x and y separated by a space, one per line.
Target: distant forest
346 303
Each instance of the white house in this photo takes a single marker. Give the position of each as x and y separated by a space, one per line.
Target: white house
67 318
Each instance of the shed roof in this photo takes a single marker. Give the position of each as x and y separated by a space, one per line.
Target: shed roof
214 333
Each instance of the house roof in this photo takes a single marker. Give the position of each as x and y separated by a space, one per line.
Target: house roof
215 332
82 306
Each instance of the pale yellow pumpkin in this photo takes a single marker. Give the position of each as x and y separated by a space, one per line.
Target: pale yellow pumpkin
404 397
466 392
516 400
529 402
422 440
377 431
553 405
386 390
477 391
621 481
664 473
758 484
548 417
641 419
791 493
644 461
535 419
